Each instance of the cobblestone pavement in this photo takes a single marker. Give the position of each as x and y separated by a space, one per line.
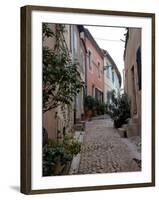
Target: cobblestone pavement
104 151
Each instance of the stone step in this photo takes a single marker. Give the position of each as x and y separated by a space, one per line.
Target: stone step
125 126
79 126
133 120
122 132
133 130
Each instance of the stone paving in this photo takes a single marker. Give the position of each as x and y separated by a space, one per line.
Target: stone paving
104 151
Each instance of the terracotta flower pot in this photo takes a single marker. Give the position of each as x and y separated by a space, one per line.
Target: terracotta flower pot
88 114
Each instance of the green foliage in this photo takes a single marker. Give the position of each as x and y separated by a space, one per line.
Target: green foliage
89 102
52 156
94 105
61 80
47 31
119 109
57 154
101 108
71 145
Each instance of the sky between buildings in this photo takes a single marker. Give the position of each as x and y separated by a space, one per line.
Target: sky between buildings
111 39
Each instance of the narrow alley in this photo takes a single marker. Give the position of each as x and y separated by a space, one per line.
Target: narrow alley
82 85
104 151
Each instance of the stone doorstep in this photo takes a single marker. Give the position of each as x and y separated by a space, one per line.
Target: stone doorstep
80 121
133 120
105 116
132 130
79 126
122 132
125 126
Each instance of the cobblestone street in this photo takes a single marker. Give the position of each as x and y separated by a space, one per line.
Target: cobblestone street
104 151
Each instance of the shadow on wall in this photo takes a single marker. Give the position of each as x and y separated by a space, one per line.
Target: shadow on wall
15 188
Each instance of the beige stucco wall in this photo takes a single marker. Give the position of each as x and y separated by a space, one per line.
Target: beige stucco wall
55 120
50 123
78 53
131 81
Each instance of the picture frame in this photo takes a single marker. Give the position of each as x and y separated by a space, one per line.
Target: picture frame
31 19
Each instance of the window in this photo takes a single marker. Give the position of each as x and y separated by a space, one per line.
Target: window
107 70
99 70
108 97
98 95
71 39
75 42
138 60
113 77
90 60
82 59
93 91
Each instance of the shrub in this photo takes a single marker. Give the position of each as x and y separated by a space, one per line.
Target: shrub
52 157
71 145
89 102
57 154
101 108
96 106
119 109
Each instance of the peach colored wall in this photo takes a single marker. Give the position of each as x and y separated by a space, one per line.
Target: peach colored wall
92 75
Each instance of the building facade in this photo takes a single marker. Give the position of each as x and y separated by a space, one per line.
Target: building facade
112 77
132 78
78 52
60 120
95 68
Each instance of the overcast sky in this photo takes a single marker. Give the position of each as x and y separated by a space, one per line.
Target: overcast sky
109 38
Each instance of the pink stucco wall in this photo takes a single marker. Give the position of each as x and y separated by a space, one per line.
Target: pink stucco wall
92 75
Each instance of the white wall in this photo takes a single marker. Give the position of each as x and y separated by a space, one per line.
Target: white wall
10 95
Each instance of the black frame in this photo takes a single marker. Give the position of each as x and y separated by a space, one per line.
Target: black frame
26 106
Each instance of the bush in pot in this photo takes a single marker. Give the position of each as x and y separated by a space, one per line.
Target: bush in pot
89 106
56 155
